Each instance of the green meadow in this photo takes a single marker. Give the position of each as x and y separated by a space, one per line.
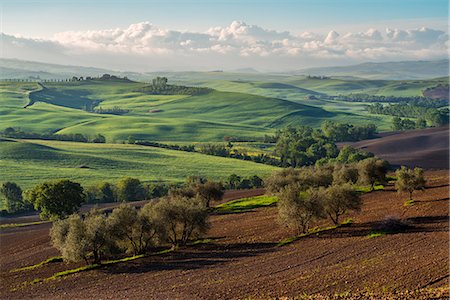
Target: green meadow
29 162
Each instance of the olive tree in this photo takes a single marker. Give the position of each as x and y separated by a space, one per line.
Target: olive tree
133 230
296 209
410 180
181 219
338 199
209 191
344 173
372 170
80 239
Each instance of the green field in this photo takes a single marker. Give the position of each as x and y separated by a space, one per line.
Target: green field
240 108
28 162
244 106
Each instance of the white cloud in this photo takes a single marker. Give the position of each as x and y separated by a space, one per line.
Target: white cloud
238 44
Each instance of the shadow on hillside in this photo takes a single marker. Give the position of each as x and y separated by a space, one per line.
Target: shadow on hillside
193 257
241 209
408 225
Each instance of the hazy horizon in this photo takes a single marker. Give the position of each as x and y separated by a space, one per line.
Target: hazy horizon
200 36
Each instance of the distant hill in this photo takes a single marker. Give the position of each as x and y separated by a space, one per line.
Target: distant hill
387 70
21 69
426 148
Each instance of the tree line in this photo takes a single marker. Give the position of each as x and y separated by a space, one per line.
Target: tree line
17 133
54 200
413 100
425 115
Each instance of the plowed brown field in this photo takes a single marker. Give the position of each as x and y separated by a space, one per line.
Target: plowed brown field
243 261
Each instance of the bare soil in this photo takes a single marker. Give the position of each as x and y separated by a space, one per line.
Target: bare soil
425 148
243 261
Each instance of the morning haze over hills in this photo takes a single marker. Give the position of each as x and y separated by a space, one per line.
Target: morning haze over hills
295 155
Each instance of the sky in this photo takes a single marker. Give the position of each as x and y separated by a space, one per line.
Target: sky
280 35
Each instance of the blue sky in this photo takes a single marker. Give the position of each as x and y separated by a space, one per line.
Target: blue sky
179 35
44 18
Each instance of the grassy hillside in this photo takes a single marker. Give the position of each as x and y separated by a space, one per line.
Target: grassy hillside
28 162
387 70
240 108
58 107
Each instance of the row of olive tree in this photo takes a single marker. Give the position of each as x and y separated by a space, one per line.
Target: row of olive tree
312 193
174 220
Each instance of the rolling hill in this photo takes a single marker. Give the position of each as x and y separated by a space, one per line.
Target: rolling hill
29 162
388 70
426 148
59 107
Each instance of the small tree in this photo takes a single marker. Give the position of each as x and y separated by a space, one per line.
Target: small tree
297 209
339 199
372 170
234 181
344 173
12 194
133 230
181 219
99 139
209 191
130 189
78 239
409 180
57 200
256 181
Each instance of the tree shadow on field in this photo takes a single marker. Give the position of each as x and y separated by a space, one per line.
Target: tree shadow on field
435 200
436 186
192 258
389 226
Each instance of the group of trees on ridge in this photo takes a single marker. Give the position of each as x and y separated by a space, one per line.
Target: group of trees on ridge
159 86
17 133
302 146
424 115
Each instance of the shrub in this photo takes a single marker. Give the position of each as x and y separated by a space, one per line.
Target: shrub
392 225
